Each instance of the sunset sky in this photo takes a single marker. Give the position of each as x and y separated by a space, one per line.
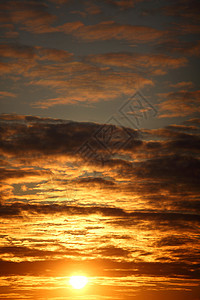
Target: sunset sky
99 149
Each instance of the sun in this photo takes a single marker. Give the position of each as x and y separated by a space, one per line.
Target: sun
78 282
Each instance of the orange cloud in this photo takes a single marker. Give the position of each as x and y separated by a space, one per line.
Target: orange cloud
21 176
6 94
7 68
145 213
31 16
183 84
124 4
150 174
92 86
108 30
70 27
153 62
53 54
181 103
17 51
31 53
72 80
92 9
8 31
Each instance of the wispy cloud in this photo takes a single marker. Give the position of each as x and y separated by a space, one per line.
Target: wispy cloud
111 30
181 103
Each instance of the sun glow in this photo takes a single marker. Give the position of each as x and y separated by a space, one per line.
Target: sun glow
78 282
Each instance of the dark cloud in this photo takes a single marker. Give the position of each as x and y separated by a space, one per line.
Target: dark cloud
169 164
181 168
182 128
195 122
190 256
16 209
93 181
121 217
193 205
181 47
99 267
173 241
54 137
22 251
186 9
113 251
7 174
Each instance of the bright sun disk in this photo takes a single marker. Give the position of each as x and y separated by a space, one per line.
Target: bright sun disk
78 282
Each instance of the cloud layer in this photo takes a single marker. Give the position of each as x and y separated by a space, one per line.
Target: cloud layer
145 219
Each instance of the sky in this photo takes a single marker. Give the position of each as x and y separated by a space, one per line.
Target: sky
99 149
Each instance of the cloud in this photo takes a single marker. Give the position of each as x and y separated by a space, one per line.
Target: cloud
172 241
117 216
186 205
90 85
61 137
21 60
17 51
54 54
185 9
7 94
73 81
17 208
178 167
108 30
183 85
180 103
135 218
109 251
100 267
31 16
72 140
188 29
181 47
7 175
153 63
124 4
35 18
92 9
24 252
29 53
8 68
97 181
60 1
8 31
164 168
55 131
194 121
